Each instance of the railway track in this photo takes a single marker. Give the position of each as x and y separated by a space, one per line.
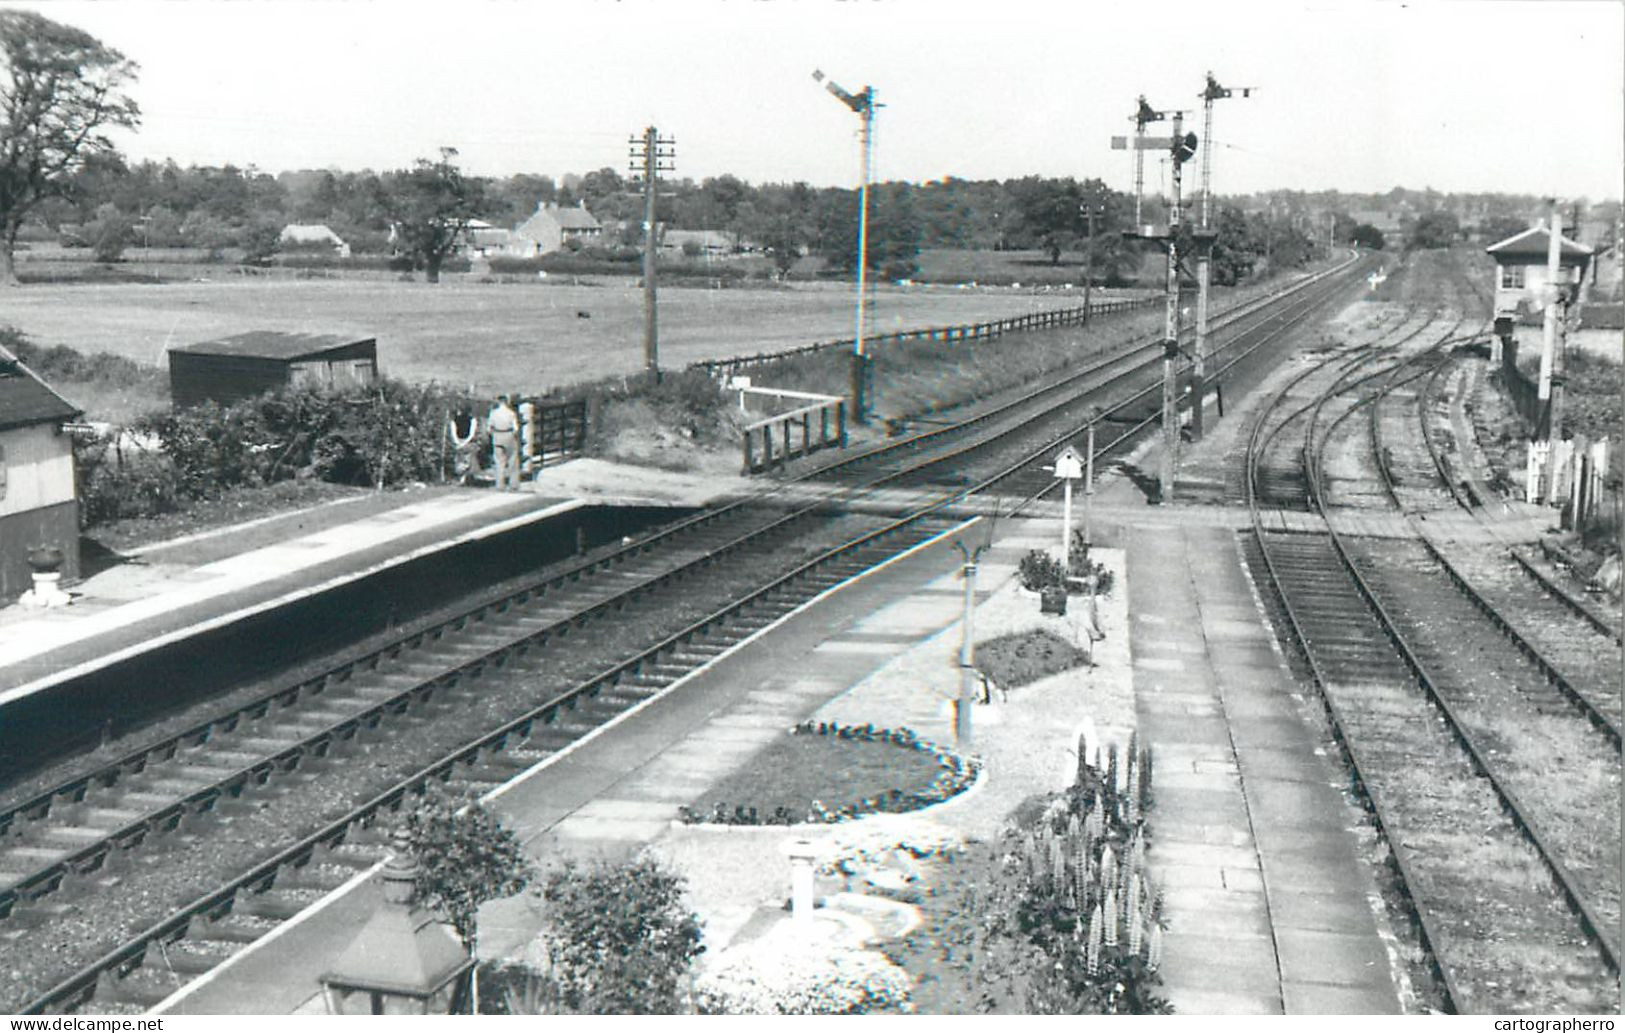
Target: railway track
527 664
1513 906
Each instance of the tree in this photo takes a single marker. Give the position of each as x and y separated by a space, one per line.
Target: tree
1367 235
618 937
59 88
430 205
1434 230
108 233
465 858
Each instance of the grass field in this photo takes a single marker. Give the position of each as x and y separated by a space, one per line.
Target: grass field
492 336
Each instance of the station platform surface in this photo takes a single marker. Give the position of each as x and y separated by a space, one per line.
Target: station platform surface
1267 894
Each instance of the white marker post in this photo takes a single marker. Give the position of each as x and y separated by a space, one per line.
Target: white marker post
1068 468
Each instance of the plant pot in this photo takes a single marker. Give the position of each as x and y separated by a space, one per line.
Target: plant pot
1052 600
45 559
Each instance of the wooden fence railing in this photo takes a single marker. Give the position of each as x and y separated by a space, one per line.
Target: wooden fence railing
556 431
775 440
724 369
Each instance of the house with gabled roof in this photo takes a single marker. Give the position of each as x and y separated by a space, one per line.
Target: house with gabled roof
39 504
552 228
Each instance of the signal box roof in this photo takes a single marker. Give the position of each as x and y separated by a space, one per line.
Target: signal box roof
1533 242
271 344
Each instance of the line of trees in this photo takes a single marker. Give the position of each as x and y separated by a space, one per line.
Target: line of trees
61 178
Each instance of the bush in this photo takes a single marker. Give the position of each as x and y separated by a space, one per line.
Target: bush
1082 566
1039 570
121 488
465 858
785 974
389 434
619 940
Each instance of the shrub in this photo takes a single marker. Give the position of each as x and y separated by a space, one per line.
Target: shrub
618 938
786 974
1082 566
120 488
1039 570
465 858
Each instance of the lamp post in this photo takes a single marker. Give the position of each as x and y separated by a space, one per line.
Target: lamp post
967 635
403 962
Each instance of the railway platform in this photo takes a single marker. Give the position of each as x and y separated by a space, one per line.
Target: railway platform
170 590
1269 903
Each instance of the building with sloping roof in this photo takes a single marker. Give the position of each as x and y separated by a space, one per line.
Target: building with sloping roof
309 236
1520 268
249 364
704 242
552 227
39 505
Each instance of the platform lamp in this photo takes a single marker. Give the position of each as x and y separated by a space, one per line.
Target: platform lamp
404 961
966 700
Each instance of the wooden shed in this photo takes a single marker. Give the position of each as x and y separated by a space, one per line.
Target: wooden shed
38 502
250 364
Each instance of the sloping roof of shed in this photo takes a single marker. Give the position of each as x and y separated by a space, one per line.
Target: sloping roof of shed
25 399
271 344
1533 243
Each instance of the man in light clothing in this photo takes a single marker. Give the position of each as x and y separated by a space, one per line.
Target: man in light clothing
503 424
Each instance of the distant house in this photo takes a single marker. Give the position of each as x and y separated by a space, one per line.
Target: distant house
551 228
249 364
701 242
485 239
38 502
1520 268
312 237
1391 224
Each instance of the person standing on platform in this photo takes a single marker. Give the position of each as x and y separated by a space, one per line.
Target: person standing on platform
463 430
503 424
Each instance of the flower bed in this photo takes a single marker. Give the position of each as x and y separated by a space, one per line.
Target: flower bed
882 771
1024 657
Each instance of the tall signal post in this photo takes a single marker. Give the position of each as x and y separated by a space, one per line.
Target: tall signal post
1181 148
863 105
650 155
1143 116
1204 256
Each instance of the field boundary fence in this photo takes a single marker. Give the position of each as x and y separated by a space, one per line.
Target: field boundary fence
726 369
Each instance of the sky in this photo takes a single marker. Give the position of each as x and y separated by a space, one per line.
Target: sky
1518 96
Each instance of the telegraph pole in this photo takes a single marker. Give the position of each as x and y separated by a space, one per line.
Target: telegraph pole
1090 210
651 155
863 105
1212 92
